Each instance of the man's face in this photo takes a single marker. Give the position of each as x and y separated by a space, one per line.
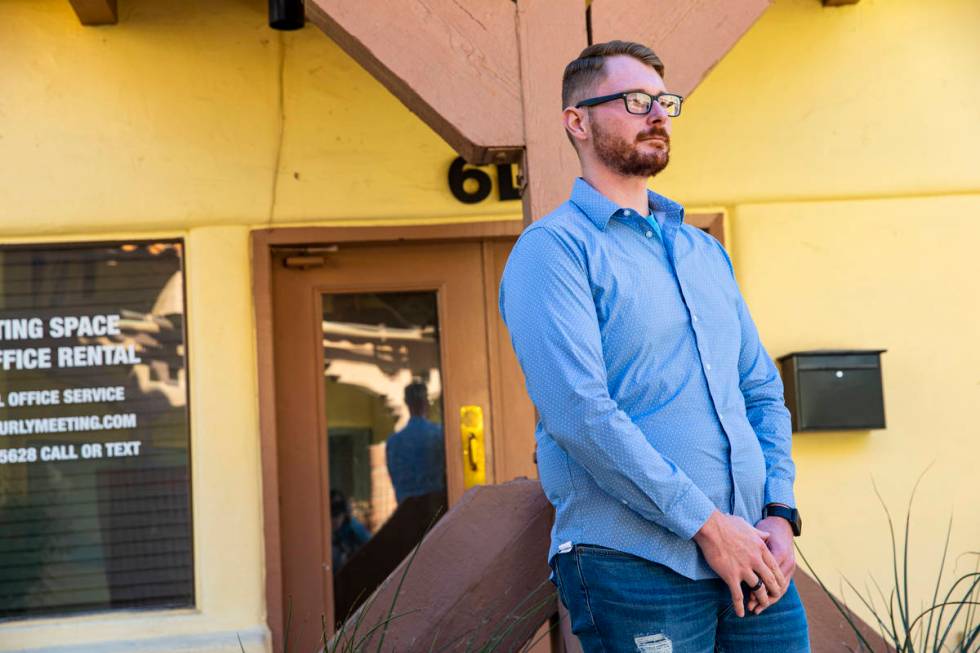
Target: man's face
631 145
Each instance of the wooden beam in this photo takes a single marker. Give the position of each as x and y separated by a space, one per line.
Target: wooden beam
490 90
455 64
481 571
95 12
550 34
690 37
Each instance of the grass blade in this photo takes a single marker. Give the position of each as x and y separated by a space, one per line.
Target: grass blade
971 612
401 581
289 622
847 617
959 606
551 628
501 636
881 624
939 578
969 638
893 633
969 592
900 645
905 557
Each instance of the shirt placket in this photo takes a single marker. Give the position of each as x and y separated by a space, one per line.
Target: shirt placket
670 228
639 222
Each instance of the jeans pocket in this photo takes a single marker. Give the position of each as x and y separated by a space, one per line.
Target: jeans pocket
559 584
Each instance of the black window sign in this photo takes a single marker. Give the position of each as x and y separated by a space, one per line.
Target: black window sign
94 441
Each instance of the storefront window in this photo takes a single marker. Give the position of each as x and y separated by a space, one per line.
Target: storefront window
94 441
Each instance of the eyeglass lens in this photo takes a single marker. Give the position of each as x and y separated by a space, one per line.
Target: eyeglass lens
638 102
641 103
671 104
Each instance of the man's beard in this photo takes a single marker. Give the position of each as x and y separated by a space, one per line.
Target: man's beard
625 158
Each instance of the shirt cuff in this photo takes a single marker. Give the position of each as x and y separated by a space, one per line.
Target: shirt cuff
780 490
690 511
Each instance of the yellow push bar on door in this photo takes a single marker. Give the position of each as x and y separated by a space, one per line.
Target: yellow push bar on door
474 449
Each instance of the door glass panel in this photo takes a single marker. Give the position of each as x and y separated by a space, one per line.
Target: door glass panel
387 460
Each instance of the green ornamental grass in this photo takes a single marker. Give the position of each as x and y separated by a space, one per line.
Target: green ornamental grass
947 625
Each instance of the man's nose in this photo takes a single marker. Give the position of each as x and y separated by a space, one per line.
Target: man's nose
657 113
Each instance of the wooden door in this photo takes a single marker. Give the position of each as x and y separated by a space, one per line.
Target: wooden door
355 324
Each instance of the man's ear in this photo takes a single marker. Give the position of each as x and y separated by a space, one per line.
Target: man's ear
576 123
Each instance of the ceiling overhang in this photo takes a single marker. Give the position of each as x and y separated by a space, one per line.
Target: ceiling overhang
95 12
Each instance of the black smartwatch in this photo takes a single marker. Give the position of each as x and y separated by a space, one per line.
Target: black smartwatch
792 515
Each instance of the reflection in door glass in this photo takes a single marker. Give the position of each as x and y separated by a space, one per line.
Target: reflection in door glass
384 433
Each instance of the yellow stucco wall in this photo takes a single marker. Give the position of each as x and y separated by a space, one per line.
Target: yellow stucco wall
897 274
842 142
874 99
178 116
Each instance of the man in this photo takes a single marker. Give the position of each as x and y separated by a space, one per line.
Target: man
416 455
348 534
663 439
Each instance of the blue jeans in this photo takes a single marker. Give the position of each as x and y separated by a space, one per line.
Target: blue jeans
619 603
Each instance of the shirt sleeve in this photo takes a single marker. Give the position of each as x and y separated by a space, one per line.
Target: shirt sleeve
765 406
546 302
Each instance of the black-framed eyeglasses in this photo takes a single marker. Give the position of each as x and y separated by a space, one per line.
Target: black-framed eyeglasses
640 103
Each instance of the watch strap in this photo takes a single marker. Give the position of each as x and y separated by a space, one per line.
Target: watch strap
792 515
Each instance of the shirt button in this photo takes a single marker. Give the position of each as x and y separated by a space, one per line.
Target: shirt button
707 366
694 317
649 234
625 502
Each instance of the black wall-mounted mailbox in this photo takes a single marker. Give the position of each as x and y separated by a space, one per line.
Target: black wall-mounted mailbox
834 390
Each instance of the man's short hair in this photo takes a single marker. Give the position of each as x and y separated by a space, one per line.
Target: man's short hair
584 72
416 392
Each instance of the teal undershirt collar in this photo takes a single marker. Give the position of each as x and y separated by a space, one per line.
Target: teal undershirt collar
654 221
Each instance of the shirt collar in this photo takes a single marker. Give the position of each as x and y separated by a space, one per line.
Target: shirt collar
599 208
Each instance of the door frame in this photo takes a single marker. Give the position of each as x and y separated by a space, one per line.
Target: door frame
263 241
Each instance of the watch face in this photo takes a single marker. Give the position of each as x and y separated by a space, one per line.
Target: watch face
792 515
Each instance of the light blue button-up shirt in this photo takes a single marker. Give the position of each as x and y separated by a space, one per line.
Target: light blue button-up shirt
657 401
416 458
